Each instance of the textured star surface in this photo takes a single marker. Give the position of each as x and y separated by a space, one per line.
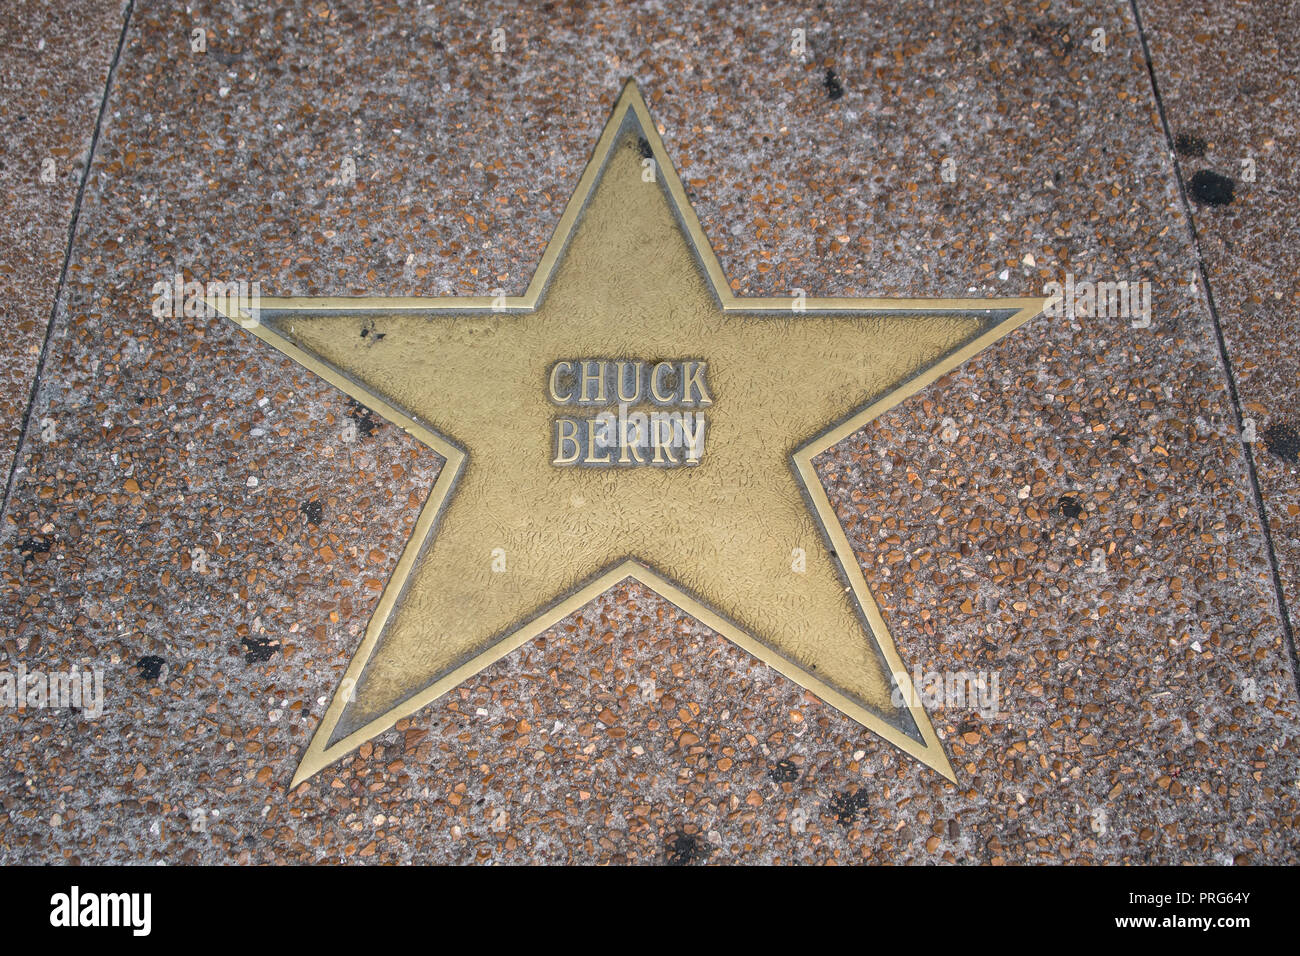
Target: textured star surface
508 543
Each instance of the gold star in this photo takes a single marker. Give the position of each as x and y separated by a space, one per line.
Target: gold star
538 510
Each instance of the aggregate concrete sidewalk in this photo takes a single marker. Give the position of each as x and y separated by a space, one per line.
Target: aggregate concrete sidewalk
1100 512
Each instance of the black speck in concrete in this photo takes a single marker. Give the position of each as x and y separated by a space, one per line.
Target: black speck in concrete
1189 144
312 511
259 649
834 89
1283 441
1212 189
30 546
366 423
149 667
684 848
1071 510
846 806
784 771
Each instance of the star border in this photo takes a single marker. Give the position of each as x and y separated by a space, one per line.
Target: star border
630 105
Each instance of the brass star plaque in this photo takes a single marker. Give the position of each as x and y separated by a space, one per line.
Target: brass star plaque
628 417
